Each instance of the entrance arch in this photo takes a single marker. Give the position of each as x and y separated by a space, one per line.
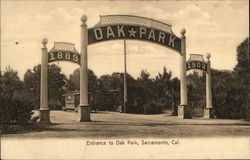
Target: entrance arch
196 61
112 27
62 51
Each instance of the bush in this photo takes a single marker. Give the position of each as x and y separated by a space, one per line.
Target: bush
153 107
15 111
228 95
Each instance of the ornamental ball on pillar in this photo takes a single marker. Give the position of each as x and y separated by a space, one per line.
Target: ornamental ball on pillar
44 42
84 19
183 31
208 55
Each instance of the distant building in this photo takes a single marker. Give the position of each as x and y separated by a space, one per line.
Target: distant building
108 101
71 100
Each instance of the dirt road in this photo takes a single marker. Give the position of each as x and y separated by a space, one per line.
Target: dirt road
120 125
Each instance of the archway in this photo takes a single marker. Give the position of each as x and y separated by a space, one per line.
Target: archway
61 51
112 27
196 61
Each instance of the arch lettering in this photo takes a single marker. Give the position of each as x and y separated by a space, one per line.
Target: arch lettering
113 32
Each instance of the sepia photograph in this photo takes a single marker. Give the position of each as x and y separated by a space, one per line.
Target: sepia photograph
124 79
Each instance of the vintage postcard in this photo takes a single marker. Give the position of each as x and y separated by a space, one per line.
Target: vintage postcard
107 79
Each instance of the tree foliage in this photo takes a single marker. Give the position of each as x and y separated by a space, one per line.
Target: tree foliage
242 74
196 92
57 83
142 93
74 81
225 98
10 82
13 109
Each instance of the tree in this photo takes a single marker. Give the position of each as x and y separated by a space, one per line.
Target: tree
117 81
104 99
13 110
145 86
56 84
242 68
32 84
163 87
225 100
242 75
231 88
105 82
196 93
10 82
144 76
175 94
74 81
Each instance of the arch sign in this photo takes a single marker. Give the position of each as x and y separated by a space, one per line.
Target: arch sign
196 61
63 51
112 27
196 65
135 32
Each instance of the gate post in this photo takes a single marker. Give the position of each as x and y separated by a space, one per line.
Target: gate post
44 113
84 109
183 108
208 111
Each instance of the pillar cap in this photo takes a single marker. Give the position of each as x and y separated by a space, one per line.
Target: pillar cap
84 19
44 42
183 31
208 55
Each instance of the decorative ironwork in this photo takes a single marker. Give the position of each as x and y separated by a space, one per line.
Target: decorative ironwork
63 51
134 20
196 57
64 46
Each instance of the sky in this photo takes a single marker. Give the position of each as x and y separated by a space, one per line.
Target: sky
214 26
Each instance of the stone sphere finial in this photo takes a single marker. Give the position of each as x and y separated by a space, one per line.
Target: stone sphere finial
84 19
183 31
208 55
45 41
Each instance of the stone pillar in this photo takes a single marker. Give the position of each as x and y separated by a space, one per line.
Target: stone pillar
84 108
44 113
208 111
183 108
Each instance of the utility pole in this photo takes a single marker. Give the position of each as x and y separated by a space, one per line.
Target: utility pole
125 79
